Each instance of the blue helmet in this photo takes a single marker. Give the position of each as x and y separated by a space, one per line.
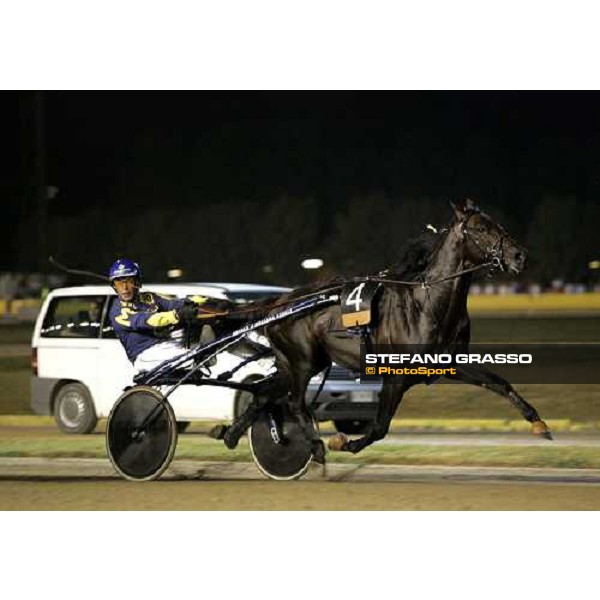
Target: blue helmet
124 268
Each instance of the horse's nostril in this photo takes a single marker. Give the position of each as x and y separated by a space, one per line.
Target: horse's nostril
520 259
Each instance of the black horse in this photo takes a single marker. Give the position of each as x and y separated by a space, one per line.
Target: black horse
433 317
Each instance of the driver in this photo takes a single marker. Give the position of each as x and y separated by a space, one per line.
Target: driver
143 321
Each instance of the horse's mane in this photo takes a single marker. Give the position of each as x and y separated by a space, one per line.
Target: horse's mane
414 256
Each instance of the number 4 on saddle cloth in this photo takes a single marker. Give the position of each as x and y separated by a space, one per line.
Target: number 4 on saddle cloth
359 309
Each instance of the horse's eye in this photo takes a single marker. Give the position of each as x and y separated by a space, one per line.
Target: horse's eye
481 229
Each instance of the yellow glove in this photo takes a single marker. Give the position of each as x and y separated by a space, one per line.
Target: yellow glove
162 319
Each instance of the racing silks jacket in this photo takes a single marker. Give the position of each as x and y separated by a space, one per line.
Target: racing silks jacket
136 323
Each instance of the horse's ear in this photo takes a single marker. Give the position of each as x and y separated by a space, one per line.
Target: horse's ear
464 207
459 209
471 205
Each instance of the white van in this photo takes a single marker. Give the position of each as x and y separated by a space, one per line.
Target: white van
79 367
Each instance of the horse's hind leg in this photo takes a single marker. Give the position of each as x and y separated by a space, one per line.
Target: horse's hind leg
299 409
231 434
389 399
482 377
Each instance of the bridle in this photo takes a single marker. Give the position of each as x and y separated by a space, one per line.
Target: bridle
493 258
494 254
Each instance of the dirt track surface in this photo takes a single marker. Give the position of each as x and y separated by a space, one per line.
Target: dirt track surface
90 484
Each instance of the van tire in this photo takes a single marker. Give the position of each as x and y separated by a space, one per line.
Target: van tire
74 410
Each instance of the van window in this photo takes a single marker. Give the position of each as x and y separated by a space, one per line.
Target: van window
108 332
73 317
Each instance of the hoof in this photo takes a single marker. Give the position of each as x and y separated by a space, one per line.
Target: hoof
338 442
231 438
218 432
540 428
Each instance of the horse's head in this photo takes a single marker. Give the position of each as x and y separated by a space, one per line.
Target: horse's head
487 241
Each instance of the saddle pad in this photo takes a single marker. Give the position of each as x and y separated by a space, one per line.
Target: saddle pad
356 300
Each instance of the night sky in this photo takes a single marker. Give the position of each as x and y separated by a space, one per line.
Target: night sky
128 151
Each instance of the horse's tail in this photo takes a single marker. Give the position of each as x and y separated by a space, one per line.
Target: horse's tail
261 308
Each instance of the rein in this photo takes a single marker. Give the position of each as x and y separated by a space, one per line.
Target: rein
425 284
495 254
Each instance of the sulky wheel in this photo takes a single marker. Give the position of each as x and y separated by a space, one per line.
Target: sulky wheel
141 434
278 444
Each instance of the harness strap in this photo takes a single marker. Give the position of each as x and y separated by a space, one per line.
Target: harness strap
322 385
366 336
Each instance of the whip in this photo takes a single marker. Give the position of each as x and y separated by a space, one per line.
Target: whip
62 267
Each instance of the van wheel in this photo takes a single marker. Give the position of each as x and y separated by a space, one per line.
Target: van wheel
351 426
182 426
74 410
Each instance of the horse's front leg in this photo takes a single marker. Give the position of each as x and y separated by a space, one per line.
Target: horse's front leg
482 377
389 399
